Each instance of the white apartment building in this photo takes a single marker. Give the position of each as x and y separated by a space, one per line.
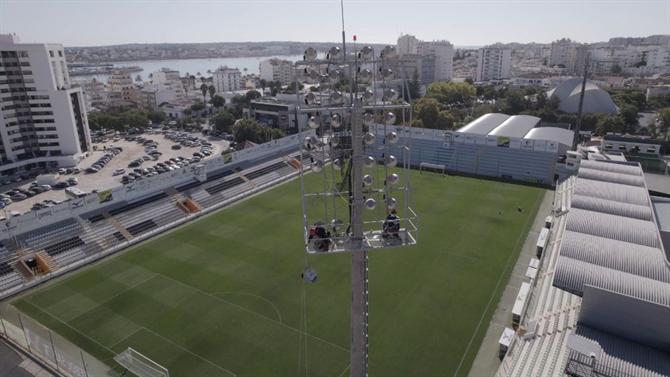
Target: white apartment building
443 52
43 120
568 54
276 70
227 79
407 45
493 63
165 75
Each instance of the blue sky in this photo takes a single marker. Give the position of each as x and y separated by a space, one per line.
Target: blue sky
464 23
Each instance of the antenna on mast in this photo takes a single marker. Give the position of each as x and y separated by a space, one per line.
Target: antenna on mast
344 40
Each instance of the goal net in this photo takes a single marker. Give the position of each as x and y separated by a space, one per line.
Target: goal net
140 365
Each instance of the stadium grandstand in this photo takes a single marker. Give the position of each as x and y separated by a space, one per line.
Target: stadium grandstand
600 303
495 145
40 245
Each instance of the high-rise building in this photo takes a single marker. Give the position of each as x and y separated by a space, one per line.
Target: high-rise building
568 54
494 63
43 120
407 45
120 83
227 79
443 53
276 70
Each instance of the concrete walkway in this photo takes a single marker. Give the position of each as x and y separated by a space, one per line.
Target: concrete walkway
486 362
14 364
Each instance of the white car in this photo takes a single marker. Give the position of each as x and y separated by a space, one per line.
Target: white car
119 171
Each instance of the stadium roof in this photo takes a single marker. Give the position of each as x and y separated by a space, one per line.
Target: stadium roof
612 255
596 100
484 124
559 135
516 126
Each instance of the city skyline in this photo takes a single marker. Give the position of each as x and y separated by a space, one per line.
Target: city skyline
463 23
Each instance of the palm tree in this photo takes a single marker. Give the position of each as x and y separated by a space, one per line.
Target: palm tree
203 89
212 91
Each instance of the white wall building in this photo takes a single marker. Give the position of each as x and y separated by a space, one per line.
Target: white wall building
227 79
443 52
568 54
276 70
43 120
165 75
493 63
407 45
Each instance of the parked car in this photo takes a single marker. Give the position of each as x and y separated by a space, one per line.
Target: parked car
119 172
176 147
61 185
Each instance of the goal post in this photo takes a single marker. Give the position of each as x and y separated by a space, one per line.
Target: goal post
140 365
432 167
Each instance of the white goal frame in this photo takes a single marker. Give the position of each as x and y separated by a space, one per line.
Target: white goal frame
427 165
140 365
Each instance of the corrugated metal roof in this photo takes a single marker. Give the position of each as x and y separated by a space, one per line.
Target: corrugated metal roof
612 191
615 167
613 227
607 176
516 126
612 207
484 124
662 210
559 135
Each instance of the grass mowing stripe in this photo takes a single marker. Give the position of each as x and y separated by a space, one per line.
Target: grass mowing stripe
502 274
252 311
190 352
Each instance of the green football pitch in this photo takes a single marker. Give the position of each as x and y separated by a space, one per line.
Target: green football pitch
223 295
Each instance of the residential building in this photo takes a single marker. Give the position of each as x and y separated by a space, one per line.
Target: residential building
121 82
493 63
568 54
658 90
276 70
443 54
407 45
227 79
276 114
43 120
165 75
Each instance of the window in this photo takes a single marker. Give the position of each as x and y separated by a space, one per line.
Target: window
51 53
60 53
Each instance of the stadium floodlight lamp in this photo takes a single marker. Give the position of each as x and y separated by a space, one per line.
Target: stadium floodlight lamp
390 94
389 118
369 161
334 140
311 142
337 164
365 76
368 118
317 166
369 138
391 203
366 53
336 120
391 161
333 53
336 97
310 99
370 203
310 54
313 122
367 180
368 95
388 52
311 74
393 179
387 73
392 137
334 76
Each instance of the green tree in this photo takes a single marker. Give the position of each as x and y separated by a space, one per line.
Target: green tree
204 89
198 106
156 116
628 114
218 101
252 95
251 130
610 124
212 91
290 88
427 109
262 83
223 121
445 120
616 69
514 103
413 87
452 93
664 122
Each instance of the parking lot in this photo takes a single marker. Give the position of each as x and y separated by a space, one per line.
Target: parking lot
130 150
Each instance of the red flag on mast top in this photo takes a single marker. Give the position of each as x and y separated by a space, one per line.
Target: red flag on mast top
354 37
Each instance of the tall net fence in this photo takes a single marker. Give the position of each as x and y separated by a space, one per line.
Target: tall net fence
51 348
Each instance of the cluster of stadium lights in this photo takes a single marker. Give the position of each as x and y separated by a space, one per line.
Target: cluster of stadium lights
367 97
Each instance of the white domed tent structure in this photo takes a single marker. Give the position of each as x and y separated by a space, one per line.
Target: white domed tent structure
596 100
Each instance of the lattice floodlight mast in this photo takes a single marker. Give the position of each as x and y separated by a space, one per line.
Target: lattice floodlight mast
357 140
